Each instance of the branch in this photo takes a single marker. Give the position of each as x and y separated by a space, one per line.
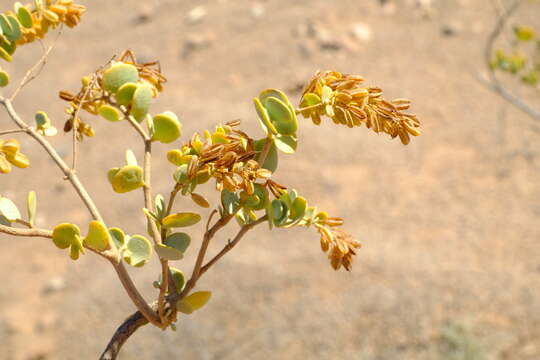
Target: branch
30 75
493 82
26 232
70 175
12 131
232 244
113 255
136 320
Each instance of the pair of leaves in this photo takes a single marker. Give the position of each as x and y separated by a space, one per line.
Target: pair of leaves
136 249
128 178
288 210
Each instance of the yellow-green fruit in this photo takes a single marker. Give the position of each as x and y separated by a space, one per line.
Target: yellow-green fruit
167 128
124 95
142 98
128 178
109 112
4 79
65 234
119 74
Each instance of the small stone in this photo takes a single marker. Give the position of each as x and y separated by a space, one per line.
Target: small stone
257 10
196 42
450 29
54 284
361 32
196 15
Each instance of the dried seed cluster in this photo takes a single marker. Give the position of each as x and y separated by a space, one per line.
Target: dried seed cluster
10 155
346 100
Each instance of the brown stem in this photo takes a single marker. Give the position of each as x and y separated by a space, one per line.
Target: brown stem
136 320
124 331
25 232
13 131
111 255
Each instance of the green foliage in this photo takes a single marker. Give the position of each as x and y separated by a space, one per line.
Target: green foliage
137 250
167 128
98 237
193 302
182 219
119 74
9 210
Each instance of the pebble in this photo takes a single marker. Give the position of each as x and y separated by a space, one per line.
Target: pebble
196 42
361 32
257 11
54 284
196 15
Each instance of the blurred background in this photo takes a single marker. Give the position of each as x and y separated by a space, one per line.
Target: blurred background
449 268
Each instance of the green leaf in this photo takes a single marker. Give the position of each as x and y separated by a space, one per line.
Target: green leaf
127 179
42 120
264 118
167 128
117 236
4 79
193 302
281 116
182 219
180 241
524 33
76 249
181 174
124 95
160 205
119 74
24 16
298 208
168 253
131 159
138 250
14 31
98 237
142 99
230 201
109 113
111 173
31 207
9 209
178 278
271 162
65 234
286 144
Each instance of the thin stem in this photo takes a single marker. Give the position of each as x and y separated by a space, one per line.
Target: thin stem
266 149
30 75
232 243
307 108
163 290
26 232
71 176
493 83
208 235
135 296
12 131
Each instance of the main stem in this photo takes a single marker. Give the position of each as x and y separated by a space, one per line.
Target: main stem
111 255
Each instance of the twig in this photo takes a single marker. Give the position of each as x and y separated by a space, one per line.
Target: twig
12 131
30 75
493 82
26 232
232 243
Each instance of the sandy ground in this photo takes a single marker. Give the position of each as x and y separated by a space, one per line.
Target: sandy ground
450 267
